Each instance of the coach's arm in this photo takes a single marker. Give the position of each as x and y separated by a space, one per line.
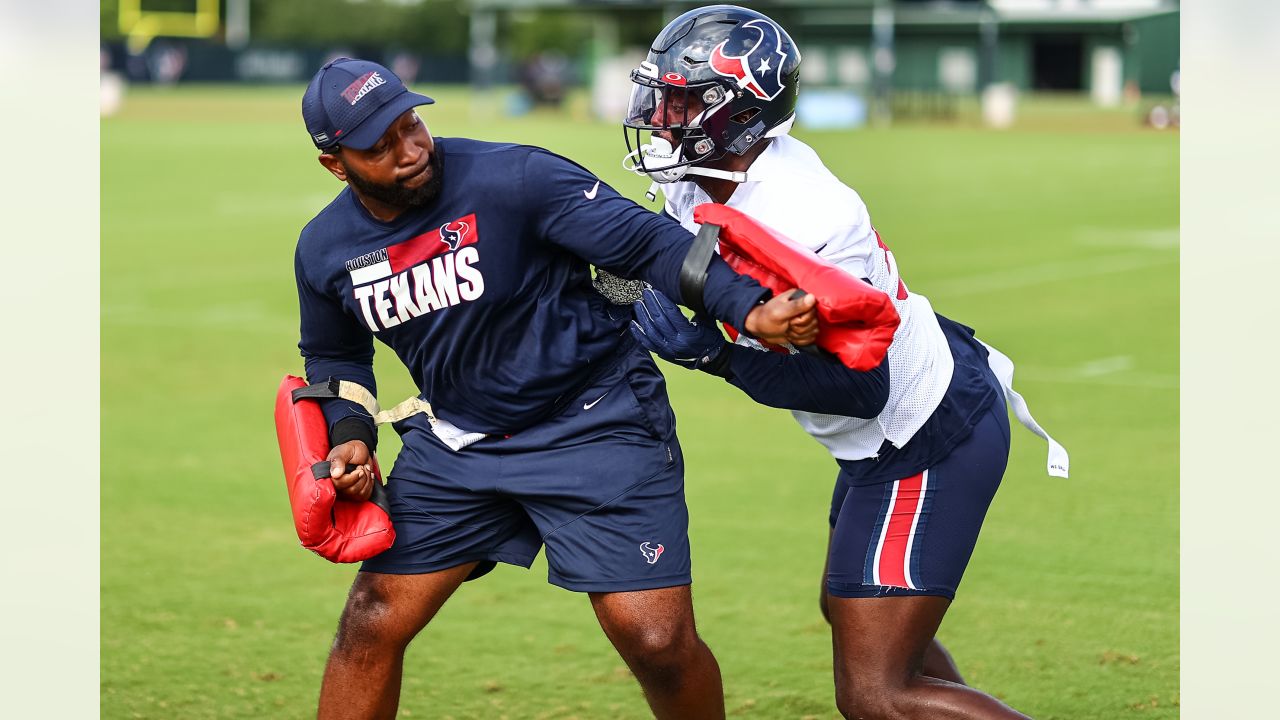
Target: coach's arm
334 346
576 211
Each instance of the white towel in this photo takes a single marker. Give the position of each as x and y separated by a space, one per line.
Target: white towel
1002 366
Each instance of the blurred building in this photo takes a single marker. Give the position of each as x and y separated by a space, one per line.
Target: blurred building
881 59
1094 46
877 49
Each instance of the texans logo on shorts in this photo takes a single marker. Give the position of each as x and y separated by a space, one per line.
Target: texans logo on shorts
454 233
651 553
759 69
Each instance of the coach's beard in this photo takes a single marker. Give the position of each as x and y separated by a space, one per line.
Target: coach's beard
396 194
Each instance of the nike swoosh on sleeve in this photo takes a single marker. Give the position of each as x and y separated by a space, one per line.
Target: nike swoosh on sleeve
591 194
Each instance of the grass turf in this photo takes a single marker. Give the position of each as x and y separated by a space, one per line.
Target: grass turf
1057 241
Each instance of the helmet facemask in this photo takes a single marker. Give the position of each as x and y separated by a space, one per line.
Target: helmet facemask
665 105
717 81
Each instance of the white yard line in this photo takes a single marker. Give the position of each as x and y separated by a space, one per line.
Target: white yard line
1150 239
1048 272
1114 371
1105 366
249 205
241 318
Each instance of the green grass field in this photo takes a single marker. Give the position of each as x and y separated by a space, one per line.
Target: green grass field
1058 241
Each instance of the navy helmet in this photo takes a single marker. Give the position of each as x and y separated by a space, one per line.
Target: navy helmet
718 79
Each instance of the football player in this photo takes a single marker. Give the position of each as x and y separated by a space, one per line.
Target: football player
921 441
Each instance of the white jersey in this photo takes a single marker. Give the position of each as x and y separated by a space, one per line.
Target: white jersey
790 190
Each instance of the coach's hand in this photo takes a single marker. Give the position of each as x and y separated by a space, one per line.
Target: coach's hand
665 331
350 467
787 318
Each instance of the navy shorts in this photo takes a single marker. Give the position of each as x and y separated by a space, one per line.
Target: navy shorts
601 486
914 536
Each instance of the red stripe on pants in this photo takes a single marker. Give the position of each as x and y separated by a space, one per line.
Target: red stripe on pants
893 554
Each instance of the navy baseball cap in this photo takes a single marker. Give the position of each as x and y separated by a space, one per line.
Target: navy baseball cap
353 102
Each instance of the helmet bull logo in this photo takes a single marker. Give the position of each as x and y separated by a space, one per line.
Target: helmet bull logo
453 233
759 69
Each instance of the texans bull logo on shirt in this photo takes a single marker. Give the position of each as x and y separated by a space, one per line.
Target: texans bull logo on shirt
431 271
453 233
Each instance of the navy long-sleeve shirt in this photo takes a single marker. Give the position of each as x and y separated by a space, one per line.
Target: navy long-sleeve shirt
485 294
810 383
825 385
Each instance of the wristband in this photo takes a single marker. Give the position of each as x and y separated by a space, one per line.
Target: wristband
353 428
719 363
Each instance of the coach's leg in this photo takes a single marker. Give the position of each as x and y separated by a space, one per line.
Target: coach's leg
879 646
653 631
383 613
937 663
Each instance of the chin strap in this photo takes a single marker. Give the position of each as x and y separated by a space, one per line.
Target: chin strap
736 176
651 194
661 151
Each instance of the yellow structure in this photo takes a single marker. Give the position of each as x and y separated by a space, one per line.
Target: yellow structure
141 26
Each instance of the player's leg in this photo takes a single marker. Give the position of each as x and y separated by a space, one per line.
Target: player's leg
898 553
653 631
938 662
879 646
383 613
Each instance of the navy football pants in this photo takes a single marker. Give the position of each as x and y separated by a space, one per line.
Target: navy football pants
914 536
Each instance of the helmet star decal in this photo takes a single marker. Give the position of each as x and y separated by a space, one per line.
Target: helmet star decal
762 83
717 80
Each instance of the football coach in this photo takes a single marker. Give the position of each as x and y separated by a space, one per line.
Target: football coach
550 427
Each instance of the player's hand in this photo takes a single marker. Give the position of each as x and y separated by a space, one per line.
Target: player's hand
665 331
803 329
787 318
351 469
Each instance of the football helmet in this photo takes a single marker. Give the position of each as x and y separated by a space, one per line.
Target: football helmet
717 80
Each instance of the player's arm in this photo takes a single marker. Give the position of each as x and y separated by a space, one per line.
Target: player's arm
812 383
334 346
577 212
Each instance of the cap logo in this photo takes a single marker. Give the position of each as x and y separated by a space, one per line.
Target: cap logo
362 86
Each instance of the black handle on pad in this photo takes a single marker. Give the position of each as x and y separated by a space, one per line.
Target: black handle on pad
316 391
693 273
812 349
378 496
